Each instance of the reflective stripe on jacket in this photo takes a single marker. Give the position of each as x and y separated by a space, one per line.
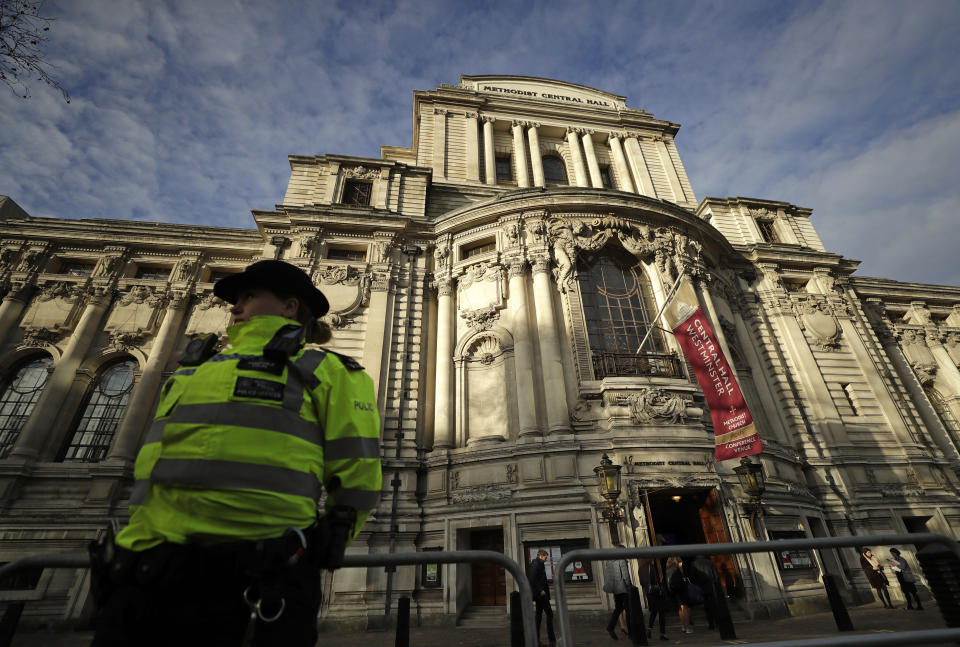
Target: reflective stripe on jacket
237 451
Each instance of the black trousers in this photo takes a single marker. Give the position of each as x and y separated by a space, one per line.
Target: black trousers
909 588
543 607
658 607
620 604
196 596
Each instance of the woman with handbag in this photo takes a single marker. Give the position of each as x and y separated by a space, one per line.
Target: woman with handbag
874 571
616 576
681 588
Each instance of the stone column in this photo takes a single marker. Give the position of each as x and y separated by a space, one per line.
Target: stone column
520 155
12 307
536 160
595 179
641 174
380 331
523 350
443 400
672 176
948 376
439 143
489 155
473 147
620 162
551 365
38 434
579 169
143 399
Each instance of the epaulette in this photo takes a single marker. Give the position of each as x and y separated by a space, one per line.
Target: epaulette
350 363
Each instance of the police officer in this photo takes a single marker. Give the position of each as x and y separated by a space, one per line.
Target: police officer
225 544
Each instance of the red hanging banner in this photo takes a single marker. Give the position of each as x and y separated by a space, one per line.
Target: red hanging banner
735 435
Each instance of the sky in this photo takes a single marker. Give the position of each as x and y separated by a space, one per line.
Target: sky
186 111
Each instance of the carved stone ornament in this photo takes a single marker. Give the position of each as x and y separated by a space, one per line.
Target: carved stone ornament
139 294
7 257
917 314
209 300
60 290
481 319
126 340
485 349
672 251
511 472
109 265
799 490
760 214
186 269
582 412
443 285
40 337
481 272
482 493
441 255
336 274
899 491
382 249
926 372
511 231
361 173
650 404
815 317
30 259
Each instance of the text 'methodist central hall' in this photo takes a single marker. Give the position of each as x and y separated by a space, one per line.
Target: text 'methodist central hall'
496 279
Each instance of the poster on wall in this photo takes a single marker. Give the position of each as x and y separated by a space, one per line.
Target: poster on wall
576 571
735 434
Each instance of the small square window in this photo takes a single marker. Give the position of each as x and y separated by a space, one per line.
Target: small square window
767 231
357 193
76 268
216 275
504 169
346 254
153 273
475 250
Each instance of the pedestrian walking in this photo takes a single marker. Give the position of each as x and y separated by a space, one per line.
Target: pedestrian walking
540 588
656 599
616 580
905 578
704 574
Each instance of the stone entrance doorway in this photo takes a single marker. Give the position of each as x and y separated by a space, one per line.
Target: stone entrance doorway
694 516
489 581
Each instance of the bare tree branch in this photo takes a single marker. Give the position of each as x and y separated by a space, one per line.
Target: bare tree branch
22 37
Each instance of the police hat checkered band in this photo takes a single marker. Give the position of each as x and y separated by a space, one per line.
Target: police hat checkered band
278 277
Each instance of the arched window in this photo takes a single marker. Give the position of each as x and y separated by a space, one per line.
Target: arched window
101 415
20 393
554 170
618 304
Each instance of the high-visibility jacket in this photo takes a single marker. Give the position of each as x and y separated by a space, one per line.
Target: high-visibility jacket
237 452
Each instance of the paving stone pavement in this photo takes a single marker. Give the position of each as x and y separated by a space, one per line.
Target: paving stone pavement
866 619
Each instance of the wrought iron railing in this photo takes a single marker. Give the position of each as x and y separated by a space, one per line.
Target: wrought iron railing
607 364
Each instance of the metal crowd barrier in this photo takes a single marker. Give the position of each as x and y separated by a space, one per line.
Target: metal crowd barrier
82 560
688 550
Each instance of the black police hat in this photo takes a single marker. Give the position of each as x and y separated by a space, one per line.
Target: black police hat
277 277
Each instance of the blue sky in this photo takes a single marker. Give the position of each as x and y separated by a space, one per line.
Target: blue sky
186 111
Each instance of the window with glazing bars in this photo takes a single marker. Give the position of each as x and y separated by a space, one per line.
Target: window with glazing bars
616 301
357 193
22 390
504 169
105 406
767 231
554 170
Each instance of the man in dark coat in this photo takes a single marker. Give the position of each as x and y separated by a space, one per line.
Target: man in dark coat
537 575
704 574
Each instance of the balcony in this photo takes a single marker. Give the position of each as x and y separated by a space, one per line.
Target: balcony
607 364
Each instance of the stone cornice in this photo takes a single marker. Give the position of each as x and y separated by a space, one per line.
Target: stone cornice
938 297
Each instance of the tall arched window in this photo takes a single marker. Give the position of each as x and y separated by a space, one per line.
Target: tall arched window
554 170
21 391
104 407
618 304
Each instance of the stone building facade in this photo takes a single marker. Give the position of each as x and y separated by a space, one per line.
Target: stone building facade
495 279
